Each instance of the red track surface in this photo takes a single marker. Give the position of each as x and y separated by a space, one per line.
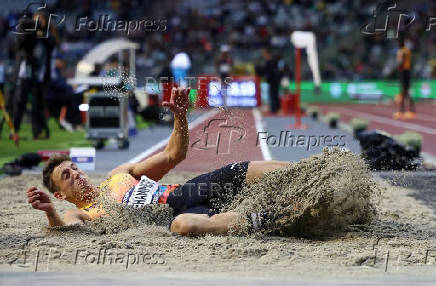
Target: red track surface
236 137
380 117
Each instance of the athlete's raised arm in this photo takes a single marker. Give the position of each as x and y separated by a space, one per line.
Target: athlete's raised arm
158 165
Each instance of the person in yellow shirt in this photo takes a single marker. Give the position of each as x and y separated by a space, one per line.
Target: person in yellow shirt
195 204
404 60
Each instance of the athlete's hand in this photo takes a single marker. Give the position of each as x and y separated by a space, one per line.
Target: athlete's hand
179 101
40 200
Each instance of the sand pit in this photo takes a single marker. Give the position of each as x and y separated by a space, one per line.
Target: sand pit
401 226
314 197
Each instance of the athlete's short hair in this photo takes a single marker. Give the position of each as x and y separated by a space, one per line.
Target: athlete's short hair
54 161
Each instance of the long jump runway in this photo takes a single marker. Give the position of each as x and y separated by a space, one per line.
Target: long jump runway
380 117
217 138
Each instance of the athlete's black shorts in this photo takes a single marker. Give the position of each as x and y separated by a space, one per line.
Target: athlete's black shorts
405 79
208 193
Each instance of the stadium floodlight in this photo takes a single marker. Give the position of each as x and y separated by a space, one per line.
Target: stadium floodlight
307 40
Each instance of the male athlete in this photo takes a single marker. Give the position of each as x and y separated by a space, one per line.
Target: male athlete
196 204
404 61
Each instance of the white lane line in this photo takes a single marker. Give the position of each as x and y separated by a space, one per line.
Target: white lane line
259 128
384 120
164 142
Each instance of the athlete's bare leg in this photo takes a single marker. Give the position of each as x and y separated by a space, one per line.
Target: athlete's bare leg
257 169
195 224
411 103
403 101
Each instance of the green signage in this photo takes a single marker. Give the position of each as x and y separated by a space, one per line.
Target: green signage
363 91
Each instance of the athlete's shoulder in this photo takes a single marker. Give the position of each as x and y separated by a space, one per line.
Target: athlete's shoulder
405 50
124 168
118 179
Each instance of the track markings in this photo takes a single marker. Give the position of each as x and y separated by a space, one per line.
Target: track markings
388 121
260 128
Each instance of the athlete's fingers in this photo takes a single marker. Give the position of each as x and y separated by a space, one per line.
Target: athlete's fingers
35 204
35 192
176 94
187 90
31 189
30 194
173 92
33 198
168 105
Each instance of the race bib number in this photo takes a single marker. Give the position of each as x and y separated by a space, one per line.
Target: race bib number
143 193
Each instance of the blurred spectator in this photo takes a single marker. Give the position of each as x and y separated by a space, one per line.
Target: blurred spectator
180 66
34 51
404 61
97 71
62 96
166 74
271 71
201 27
2 76
112 68
224 62
47 40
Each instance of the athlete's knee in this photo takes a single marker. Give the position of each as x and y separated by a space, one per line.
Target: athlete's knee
183 224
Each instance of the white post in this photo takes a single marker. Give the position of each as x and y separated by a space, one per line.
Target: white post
307 41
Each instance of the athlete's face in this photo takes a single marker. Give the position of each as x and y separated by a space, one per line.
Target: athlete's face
73 184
